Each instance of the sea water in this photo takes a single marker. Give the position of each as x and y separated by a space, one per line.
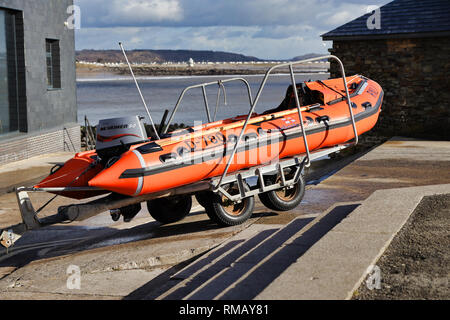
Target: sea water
117 96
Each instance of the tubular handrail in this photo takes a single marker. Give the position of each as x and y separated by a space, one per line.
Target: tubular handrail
221 88
203 86
261 87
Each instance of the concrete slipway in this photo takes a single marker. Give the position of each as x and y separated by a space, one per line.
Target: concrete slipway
320 250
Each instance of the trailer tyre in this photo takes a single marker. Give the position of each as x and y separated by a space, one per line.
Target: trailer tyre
284 199
227 213
129 212
170 209
204 198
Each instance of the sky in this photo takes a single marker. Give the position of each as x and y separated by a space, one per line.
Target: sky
266 29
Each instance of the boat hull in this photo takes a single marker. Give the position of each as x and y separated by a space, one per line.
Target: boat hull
203 151
193 159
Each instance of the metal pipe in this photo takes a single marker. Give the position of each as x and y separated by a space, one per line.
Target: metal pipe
349 102
297 103
84 211
172 115
217 103
180 98
261 87
221 87
163 120
205 98
139 90
58 189
253 104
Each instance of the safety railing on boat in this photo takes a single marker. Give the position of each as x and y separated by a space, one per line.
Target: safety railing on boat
220 83
297 102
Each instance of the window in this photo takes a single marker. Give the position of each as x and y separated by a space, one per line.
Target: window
53 64
9 114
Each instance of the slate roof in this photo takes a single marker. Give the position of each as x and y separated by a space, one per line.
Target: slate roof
400 18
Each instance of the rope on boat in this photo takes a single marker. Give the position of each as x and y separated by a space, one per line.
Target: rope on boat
323 84
221 86
93 164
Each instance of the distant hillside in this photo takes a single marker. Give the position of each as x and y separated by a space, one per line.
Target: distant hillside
159 56
308 56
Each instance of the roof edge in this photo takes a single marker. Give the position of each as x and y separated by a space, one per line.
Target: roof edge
434 34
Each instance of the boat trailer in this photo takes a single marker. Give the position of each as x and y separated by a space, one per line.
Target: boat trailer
83 211
297 164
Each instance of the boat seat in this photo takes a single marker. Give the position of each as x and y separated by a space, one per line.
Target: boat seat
306 97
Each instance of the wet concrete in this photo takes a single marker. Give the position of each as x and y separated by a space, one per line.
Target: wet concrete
143 250
113 262
30 171
396 163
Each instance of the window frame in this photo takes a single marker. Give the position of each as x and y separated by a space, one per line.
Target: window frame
52 63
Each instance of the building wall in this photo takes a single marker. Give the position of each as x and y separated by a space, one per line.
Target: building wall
46 110
30 145
414 75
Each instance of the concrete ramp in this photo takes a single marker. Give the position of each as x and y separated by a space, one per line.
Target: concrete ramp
261 251
323 257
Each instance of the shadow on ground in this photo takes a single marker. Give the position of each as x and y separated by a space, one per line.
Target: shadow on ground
58 240
229 272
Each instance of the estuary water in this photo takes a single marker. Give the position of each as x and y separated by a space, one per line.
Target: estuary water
117 96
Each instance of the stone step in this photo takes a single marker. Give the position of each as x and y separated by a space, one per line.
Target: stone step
222 272
193 276
336 265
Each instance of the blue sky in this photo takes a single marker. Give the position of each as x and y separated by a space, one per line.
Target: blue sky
267 29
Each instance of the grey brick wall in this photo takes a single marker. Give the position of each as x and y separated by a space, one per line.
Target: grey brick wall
42 112
414 76
27 146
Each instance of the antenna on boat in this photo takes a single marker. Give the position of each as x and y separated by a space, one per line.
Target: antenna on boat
140 93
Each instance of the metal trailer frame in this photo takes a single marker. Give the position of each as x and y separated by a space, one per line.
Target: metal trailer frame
220 83
79 212
297 163
297 102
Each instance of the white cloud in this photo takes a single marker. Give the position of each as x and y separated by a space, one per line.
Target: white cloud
232 39
271 29
282 32
342 14
101 13
136 41
196 13
147 10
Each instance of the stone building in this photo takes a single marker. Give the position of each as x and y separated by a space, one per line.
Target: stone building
405 47
38 110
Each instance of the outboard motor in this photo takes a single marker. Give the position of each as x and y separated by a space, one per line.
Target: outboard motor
116 135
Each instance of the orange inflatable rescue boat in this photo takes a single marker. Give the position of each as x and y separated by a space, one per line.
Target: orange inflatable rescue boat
189 155
139 166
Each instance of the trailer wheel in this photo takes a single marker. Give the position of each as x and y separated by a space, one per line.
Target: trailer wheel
227 213
129 212
284 199
203 198
170 209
